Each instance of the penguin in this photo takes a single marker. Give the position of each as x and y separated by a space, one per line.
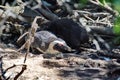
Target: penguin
47 42
68 30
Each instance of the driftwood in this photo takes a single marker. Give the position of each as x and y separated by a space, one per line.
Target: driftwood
29 15
102 30
26 12
106 7
48 15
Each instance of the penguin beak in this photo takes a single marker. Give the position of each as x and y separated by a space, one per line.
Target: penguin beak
62 48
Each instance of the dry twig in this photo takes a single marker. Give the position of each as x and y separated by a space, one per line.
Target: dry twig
30 39
20 73
3 72
97 3
2 76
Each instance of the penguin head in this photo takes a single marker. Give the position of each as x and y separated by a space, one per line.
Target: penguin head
61 46
55 47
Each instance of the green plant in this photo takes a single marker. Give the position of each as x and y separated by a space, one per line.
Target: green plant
116 27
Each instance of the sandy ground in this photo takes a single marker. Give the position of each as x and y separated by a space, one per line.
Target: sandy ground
70 67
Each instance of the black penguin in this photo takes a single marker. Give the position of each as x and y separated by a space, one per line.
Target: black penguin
73 34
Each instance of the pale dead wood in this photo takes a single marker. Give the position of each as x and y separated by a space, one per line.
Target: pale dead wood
106 7
30 39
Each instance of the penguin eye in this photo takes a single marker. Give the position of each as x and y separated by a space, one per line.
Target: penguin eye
59 44
56 46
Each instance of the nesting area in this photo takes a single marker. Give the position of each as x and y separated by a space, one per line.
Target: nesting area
59 40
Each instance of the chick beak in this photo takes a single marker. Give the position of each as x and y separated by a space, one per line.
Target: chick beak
62 48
